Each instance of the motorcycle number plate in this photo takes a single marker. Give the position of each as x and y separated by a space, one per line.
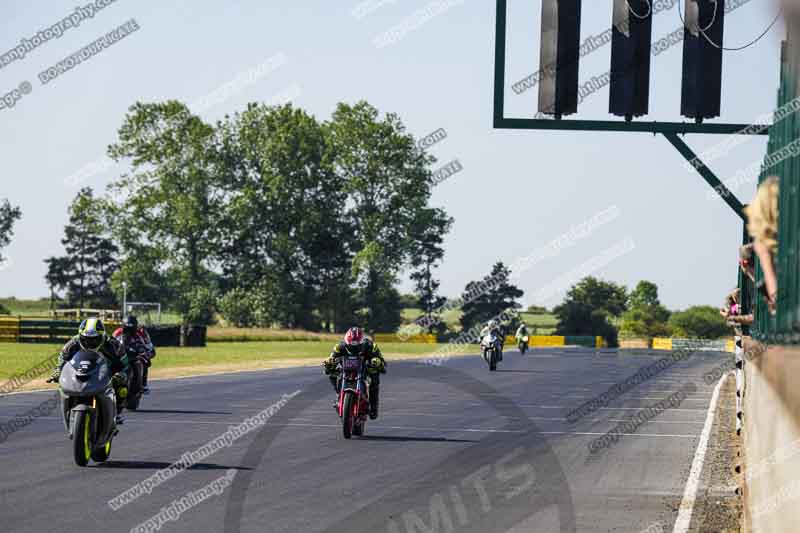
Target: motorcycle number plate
351 363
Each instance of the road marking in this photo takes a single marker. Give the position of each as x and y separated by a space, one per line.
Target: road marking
693 482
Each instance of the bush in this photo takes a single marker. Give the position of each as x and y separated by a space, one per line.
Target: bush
537 310
201 307
699 322
236 308
4 310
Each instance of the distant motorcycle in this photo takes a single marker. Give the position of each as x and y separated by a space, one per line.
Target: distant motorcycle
490 350
353 403
88 406
137 360
523 344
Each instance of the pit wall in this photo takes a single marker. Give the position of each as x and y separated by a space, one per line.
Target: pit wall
771 438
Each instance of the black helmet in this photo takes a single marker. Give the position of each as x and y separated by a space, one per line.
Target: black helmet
130 325
91 334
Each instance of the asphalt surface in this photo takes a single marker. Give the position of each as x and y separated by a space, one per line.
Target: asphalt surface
456 448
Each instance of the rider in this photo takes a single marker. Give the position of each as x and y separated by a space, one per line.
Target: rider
356 343
131 334
522 331
92 337
494 327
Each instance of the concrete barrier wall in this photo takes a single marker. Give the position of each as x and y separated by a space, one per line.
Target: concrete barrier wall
771 438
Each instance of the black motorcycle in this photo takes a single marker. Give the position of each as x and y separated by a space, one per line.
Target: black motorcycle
138 361
88 406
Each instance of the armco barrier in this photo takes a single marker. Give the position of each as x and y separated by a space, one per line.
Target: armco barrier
9 329
700 345
392 337
662 344
580 340
547 340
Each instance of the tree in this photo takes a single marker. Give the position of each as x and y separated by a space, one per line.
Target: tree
286 215
588 308
166 209
85 270
427 236
388 182
8 216
489 298
645 317
699 322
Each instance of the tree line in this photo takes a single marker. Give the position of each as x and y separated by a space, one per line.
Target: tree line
269 216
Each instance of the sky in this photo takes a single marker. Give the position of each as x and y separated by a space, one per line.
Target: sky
516 192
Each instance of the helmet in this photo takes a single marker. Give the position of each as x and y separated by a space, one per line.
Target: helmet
130 325
492 324
91 334
354 340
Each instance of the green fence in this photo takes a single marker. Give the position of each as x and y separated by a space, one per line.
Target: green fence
781 328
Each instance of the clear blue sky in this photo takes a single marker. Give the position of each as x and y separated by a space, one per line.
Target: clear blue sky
518 190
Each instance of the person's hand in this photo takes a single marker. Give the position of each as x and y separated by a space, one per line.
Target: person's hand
772 302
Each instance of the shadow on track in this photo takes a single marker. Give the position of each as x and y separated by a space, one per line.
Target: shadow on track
159 465
179 412
412 439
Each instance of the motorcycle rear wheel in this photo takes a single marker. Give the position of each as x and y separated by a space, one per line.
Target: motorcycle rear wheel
102 453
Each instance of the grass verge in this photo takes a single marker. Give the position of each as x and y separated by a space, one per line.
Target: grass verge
217 357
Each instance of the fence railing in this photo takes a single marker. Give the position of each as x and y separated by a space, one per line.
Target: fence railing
778 328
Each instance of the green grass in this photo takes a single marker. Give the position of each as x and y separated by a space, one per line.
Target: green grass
544 324
39 307
16 358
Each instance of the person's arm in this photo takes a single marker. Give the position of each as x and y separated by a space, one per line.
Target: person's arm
770 278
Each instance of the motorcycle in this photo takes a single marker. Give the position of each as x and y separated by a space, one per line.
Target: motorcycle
88 406
490 350
523 344
137 360
353 403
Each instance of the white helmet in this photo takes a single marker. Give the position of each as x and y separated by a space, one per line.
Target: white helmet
492 323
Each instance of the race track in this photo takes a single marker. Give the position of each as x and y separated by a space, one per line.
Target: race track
456 449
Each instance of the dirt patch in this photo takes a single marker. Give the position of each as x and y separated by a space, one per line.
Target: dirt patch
719 507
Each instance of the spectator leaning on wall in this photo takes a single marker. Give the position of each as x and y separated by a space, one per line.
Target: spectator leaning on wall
762 225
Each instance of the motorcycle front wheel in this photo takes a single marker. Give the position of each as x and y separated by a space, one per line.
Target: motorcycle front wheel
493 361
135 388
81 438
347 415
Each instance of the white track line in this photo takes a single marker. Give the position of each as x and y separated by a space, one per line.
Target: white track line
693 483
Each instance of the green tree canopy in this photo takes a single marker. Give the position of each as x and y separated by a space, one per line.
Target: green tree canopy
645 317
166 209
388 183
699 322
588 308
489 298
427 237
85 270
8 216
